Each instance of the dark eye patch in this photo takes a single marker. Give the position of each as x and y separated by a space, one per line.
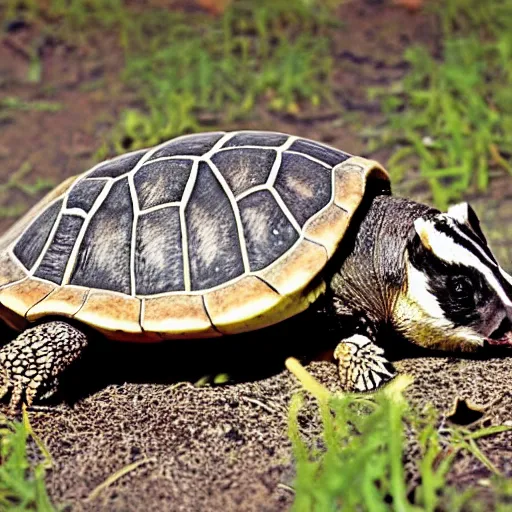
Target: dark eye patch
461 287
460 307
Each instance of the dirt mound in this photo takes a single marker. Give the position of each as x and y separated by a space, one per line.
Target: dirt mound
226 447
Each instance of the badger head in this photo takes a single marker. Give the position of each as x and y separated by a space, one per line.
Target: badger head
455 296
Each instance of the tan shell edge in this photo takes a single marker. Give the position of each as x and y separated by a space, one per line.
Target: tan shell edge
350 181
21 297
293 272
244 306
177 316
115 316
328 228
67 300
10 271
350 178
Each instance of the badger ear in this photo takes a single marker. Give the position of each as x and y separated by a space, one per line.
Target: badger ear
464 214
460 212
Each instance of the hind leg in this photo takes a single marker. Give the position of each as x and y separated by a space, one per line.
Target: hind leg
31 364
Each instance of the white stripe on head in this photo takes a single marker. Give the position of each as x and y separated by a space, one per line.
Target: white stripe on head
450 252
449 221
459 212
419 291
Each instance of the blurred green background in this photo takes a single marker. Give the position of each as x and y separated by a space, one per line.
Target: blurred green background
426 88
422 86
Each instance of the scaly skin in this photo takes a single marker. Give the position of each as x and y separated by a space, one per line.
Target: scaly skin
31 364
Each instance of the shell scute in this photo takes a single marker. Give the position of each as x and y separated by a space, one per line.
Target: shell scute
159 253
304 185
246 305
66 299
84 194
350 181
245 168
326 227
214 248
193 145
268 232
29 247
297 268
161 182
319 151
53 265
115 315
117 166
10 271
255 138
177 316
104 258
20 297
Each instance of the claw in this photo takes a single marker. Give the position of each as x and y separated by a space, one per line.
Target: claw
4 383
31 364
362 366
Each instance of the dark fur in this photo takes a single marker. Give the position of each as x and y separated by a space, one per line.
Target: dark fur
369 271
463 309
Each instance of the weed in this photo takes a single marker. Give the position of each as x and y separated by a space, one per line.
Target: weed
453 117
77 13
22 486
357 463
271 50
14 103
187 66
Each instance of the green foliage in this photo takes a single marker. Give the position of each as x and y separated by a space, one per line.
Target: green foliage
453 118
189 69
14 103
22 485
78 14
358 461
186 68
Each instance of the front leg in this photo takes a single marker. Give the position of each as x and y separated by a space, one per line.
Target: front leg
361 364
31 364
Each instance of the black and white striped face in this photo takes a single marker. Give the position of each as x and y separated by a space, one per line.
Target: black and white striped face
460 296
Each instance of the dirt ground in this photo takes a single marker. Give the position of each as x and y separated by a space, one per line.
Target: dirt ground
223 447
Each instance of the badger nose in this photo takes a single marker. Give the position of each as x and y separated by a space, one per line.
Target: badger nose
502 335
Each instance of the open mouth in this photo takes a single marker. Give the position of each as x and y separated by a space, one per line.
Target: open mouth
502 335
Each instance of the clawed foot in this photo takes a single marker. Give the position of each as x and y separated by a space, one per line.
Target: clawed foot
362 365
30 365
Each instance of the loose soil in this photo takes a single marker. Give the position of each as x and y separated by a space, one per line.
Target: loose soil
223 447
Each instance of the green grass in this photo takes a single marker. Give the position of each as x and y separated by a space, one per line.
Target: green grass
22 486
193 70
196 70
357 464
14 103
451 118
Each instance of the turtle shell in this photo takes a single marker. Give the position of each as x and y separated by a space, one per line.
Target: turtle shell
207 234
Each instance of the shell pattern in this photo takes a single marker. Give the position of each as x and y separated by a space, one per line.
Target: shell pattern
188 216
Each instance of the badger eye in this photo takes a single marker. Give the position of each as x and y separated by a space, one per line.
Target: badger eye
461 286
